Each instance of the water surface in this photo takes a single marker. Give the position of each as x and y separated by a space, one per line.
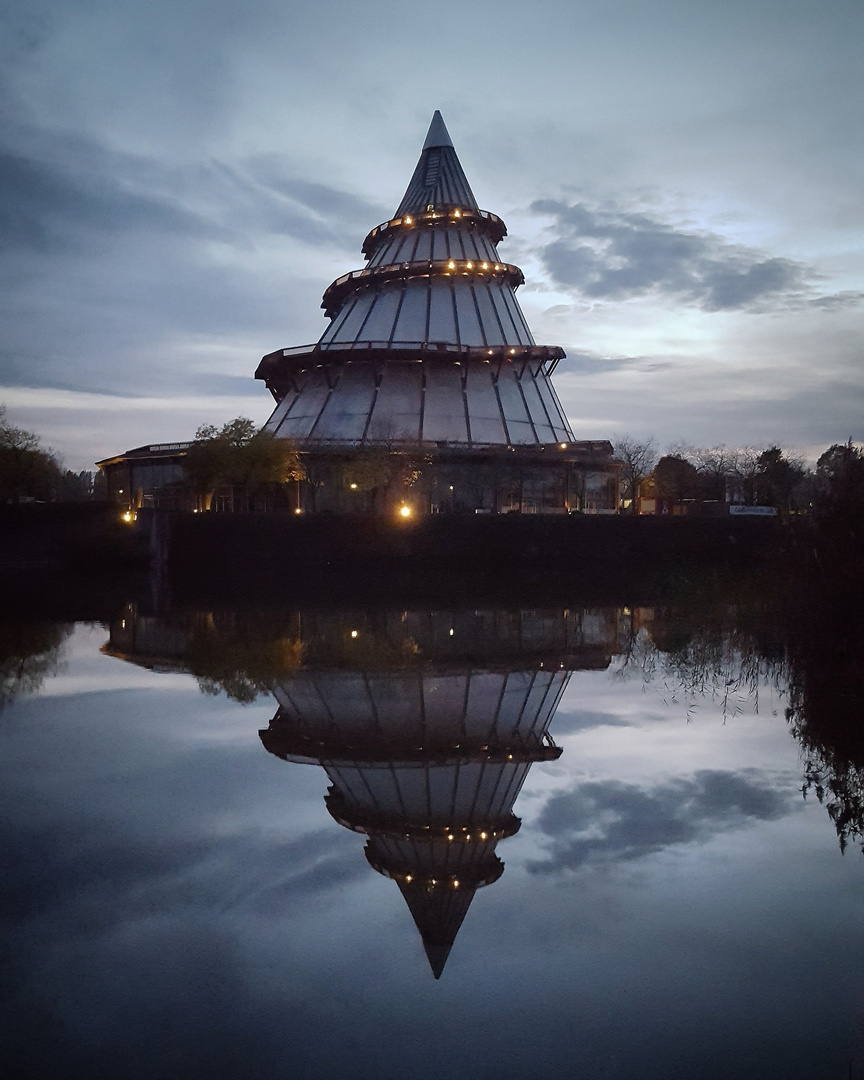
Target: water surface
211 817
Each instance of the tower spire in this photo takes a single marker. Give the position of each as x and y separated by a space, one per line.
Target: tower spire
437 135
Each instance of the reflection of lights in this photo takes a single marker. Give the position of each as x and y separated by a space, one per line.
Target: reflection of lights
405 511
355 633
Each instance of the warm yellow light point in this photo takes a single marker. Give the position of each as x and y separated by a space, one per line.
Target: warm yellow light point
298 510
451 265
354 633
405 511
563 445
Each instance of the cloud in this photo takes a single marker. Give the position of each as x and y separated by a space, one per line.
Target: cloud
609 253
613 821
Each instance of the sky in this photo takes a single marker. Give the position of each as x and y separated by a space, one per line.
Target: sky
681 181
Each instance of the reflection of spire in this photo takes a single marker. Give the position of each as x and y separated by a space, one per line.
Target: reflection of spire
427 751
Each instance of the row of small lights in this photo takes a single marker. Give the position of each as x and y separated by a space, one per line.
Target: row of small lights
431 215
454 882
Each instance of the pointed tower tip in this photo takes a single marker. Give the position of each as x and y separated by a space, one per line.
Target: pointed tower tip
437 135
437 957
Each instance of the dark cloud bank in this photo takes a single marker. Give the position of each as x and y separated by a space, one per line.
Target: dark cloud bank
610 253
613 821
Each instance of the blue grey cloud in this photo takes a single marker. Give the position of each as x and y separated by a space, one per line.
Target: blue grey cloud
609 253
612 821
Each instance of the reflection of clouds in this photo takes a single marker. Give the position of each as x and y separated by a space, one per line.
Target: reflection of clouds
612 821
584 720
108 877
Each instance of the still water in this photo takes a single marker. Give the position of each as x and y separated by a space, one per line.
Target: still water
581 842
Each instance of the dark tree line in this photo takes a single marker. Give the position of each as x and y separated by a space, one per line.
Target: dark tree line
748 476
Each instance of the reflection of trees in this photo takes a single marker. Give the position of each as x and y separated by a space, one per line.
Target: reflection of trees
28 653
814 652
239 664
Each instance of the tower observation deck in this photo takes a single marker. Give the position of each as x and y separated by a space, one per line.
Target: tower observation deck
427 352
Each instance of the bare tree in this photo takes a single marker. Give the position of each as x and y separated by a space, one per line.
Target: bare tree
639 459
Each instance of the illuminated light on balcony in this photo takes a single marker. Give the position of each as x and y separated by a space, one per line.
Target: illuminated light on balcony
450 836
470 265
482 835
457 213
355 633
451 265
485 266
455 883
562 445
408 220
408 877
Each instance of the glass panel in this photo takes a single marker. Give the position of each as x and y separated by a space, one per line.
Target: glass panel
483 410
544 430
397 407
562 432
491 326
483 694
411 325
350 328
442 325
497 293
444 411
379 325
518 318
513 405
307 407
345 415
469 325
424 244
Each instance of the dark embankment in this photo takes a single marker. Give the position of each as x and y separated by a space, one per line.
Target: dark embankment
453 557
69 561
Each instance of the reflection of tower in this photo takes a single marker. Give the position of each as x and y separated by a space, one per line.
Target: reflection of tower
426 751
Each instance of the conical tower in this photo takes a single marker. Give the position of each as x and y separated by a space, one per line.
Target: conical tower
427 343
